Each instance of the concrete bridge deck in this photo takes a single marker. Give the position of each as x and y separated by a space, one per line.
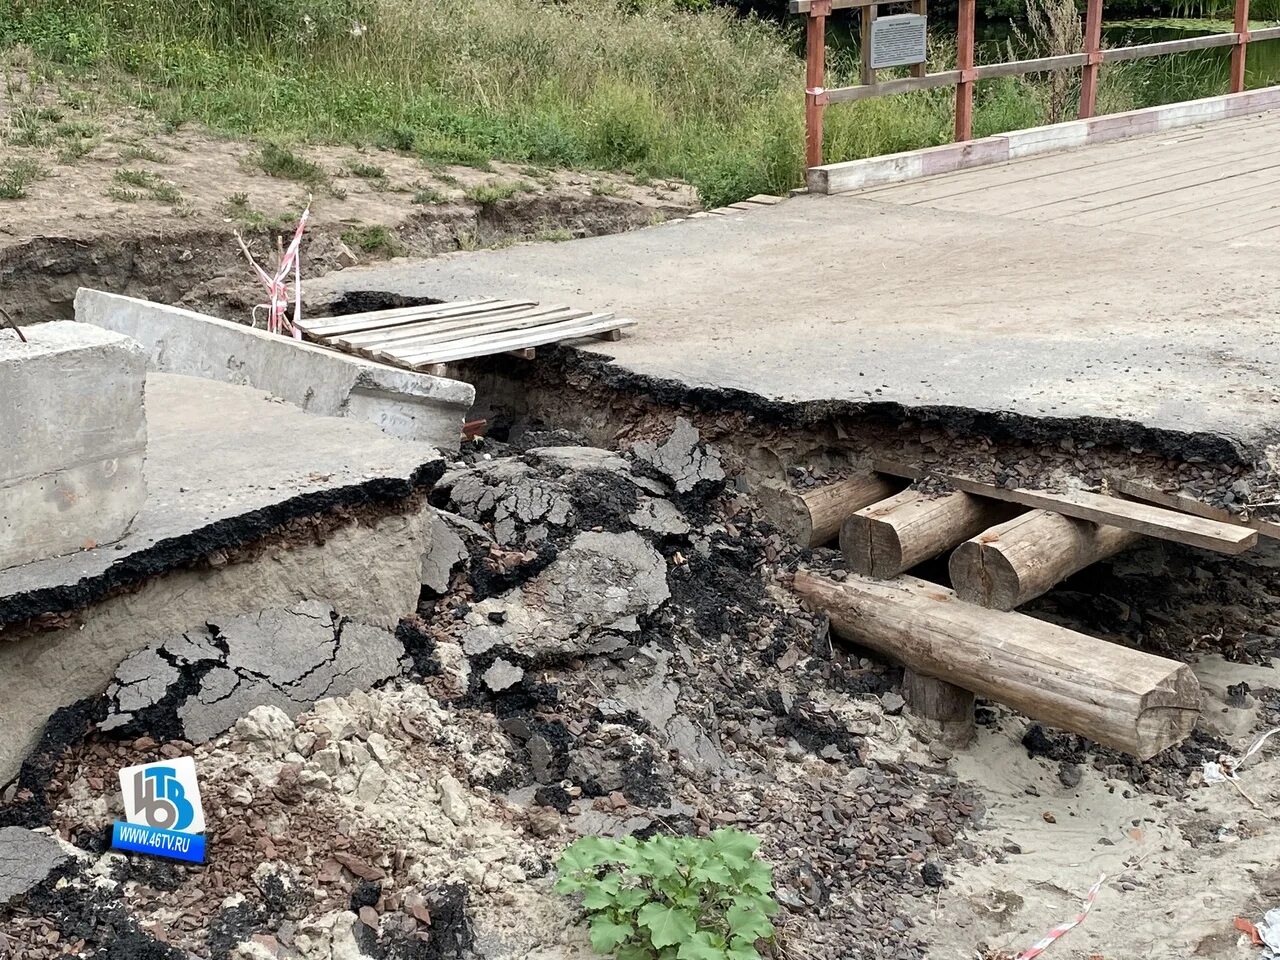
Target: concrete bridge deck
1132 282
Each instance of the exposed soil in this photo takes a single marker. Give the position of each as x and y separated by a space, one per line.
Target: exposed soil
127 204
611 655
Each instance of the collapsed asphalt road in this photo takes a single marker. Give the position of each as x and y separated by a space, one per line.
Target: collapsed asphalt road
605 646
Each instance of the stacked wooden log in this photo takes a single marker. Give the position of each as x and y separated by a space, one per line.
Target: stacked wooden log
1007 547
1116 696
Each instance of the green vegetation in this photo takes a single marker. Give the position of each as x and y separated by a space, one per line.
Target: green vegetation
672 898
487 193
276 160
141 151
17 176
368 171
132 185
427 196
687 89
372 239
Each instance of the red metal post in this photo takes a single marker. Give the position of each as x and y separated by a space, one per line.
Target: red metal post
1240 51
964 63
1093 58
815 97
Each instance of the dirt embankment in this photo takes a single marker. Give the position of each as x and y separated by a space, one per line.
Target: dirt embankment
125 203
606 645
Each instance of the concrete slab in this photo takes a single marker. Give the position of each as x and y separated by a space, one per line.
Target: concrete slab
412 406
26 860
822 305
251 505
74 439
226 465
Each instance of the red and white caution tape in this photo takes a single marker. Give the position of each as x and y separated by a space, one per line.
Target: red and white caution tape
1040 946
277 287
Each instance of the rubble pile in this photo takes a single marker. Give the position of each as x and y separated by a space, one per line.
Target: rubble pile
605 646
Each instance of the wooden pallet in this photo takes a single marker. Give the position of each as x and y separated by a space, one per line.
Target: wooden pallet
430 335
751 203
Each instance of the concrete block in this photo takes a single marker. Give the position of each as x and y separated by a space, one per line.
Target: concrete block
412 406
73 436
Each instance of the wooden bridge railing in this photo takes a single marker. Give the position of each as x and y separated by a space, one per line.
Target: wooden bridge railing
966 73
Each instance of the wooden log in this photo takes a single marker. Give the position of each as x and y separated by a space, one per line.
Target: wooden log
895 534
1121 698
1015 561
1138 517
946 707
813 517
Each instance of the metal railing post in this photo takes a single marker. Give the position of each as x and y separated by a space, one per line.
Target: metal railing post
815 97
964 63
1240 51
1093 58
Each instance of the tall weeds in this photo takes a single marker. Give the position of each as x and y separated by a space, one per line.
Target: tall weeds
660 88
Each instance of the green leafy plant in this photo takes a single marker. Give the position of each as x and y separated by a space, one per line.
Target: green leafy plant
672 898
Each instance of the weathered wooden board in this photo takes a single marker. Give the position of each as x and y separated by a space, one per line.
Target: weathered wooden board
1131 515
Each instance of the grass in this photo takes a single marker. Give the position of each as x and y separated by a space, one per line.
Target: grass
488 193
141 151
76 150
368 171
276 160
655 88
372 239
131 186
17 176
426 196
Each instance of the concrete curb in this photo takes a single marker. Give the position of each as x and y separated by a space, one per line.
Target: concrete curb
401 403
914 164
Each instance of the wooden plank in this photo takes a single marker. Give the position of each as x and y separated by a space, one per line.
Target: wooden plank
341 326
764 199
906 85
490 344
426 341
461 323
538 336
1116 696
324 326
1176 501
1118 54
802 6
1138 517
319 324
1014 68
